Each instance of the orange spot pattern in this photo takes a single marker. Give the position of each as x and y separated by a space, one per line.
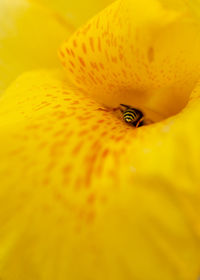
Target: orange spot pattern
108 69
94 50
75 134
116 57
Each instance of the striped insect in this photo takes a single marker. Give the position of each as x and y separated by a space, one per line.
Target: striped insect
132 115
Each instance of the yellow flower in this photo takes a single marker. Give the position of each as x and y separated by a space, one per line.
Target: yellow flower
83 195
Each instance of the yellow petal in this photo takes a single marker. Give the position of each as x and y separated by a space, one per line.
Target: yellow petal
84 196
195 6
77 11
29 38
140 53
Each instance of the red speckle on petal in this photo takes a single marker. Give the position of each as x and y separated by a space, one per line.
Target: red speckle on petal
91 40
84 48
82 61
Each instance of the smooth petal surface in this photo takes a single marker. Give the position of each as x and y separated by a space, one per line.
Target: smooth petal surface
195 6
77 12
81 189
29 38
145 57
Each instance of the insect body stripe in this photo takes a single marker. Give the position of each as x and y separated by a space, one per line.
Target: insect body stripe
131 111
126 116
130 115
